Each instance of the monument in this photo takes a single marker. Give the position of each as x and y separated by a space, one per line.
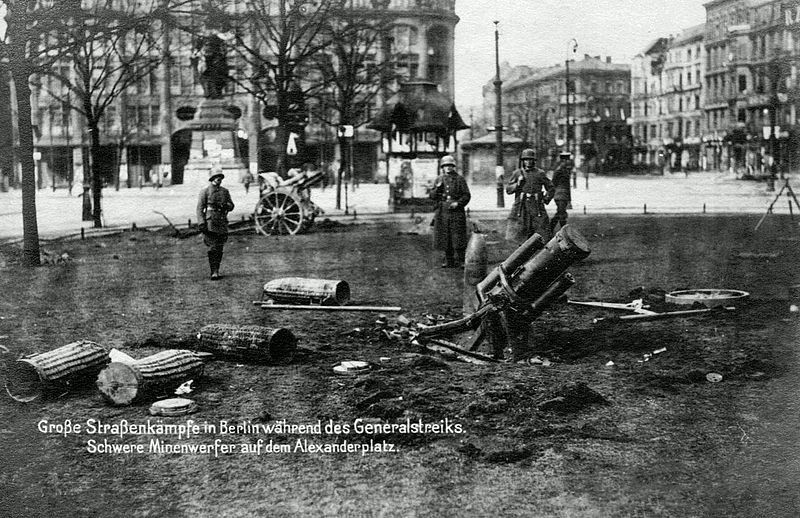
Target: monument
214 141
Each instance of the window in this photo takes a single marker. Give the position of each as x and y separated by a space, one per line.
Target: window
742 83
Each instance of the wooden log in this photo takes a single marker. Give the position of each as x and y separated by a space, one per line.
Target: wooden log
253 343
308 291
29 378
150 377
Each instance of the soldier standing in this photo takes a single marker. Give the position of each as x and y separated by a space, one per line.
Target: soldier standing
532 190
450 194
563 196
213 206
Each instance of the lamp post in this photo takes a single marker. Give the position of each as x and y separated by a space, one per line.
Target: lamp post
573 45
498 119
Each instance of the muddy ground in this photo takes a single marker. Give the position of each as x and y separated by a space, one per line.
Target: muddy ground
573 438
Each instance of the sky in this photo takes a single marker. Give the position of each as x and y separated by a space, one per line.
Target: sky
537 33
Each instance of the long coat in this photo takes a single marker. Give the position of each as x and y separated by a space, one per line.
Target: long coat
450 225
213 206
532 190
561 182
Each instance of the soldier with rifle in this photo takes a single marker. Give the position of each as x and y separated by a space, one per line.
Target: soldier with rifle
450 194
563 196
532 190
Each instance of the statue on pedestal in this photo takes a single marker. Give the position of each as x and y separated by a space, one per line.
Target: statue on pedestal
214 71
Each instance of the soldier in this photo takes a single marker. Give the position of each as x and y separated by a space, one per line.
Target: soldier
450 194
532 190
213 206
561 182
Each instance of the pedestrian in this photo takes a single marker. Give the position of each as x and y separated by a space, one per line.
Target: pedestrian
450 195
213 206
248 179
563 194
532 190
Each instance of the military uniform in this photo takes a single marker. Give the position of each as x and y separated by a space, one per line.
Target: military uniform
213 206
562 196
532 190
450 224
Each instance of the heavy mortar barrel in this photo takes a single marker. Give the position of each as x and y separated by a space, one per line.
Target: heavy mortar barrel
254 343
529 281
550 295
155 375
29 378
298 290
517 258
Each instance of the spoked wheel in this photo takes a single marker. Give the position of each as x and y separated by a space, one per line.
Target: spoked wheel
278 213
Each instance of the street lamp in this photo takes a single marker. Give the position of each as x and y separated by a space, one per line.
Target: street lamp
498 119
573 45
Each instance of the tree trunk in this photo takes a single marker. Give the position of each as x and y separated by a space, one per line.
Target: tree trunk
281 138
97 178
20 72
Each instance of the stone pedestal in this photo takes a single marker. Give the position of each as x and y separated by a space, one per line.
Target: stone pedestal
214 144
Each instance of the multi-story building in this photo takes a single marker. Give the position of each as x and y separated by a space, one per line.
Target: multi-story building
595 114
147 129
667 101
647 104
752 54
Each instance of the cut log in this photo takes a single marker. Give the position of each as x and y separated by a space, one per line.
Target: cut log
153 376
253 343
30 378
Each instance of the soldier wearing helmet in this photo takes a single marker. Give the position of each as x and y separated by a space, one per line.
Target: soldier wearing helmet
563 196
532 190
450 195
213 206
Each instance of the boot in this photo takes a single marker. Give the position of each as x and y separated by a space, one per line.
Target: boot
218 263
448 262
212 263
459 258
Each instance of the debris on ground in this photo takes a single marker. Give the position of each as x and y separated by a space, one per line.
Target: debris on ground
571 397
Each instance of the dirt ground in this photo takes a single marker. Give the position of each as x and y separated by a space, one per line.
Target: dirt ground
568 437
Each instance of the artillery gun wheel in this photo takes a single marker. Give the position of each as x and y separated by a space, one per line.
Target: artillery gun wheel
278 212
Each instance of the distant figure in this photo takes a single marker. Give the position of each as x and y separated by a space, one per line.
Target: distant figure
563 194
213 206
532 190
450 194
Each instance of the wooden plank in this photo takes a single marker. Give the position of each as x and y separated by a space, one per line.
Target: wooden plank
326 308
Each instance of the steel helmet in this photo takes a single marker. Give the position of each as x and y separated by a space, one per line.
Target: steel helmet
527 154
447 160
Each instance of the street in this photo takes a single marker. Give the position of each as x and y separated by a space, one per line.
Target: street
60 214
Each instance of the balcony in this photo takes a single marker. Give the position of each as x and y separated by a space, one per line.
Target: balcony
405 5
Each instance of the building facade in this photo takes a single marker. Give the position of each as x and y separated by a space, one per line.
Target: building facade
146 136
752 56
667 102
591 121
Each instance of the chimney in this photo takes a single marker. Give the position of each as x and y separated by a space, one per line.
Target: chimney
608 59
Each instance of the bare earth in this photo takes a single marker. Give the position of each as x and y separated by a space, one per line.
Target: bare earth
640 438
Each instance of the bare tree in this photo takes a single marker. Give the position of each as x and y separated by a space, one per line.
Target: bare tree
352 72
523 114
23 25
276 42
106 50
